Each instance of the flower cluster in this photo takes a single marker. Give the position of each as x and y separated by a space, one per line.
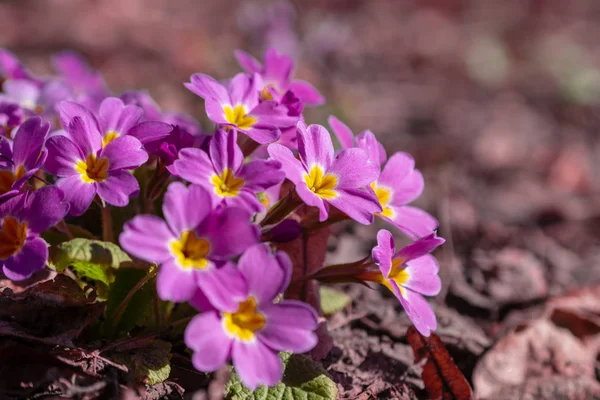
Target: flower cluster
70 148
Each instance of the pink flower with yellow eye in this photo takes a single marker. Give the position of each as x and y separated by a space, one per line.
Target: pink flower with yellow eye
224 175
85 167
409 274
237 106
253 330
322 178
398 185
191 243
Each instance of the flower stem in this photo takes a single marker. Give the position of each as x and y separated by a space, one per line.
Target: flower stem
107 224
312 223
120 310
282 209
64 228
156 186
168 312
341 272
247 145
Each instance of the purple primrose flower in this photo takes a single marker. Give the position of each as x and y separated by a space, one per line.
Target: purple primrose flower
276 76
409 274
26 93
238 106
223 173
22 219
22 160
398 184
254 329
192 244
11 116
322 178
85 85
167 149
152 112
86 167
12 68
115 120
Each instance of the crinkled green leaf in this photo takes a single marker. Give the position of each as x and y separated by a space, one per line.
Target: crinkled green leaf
158 375
96 272
102 275
92 251
90 260
333 300
149 364
303 379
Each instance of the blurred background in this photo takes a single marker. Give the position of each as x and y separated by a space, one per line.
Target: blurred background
483 81
498 101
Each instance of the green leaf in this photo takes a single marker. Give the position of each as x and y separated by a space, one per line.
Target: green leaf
149 364
95 272
90 260
138 308
333 300
303 379
91 251
102 275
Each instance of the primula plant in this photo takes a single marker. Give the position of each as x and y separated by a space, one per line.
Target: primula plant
191 237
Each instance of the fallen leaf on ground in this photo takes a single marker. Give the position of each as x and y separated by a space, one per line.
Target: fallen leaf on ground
530 358
442 378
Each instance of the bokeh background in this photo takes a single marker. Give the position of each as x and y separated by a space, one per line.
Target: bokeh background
498 101
493 82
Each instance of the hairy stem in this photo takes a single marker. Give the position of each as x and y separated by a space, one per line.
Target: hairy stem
107 224
64 228
282 209
247 145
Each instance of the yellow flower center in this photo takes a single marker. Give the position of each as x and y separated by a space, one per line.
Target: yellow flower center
243 323
238 116
191 251
92 169
8 178
321 184
227 185
12 236
398 274
109 137
384 195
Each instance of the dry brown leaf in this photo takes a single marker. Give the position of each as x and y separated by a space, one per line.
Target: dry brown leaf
531 357
579 312
442 378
